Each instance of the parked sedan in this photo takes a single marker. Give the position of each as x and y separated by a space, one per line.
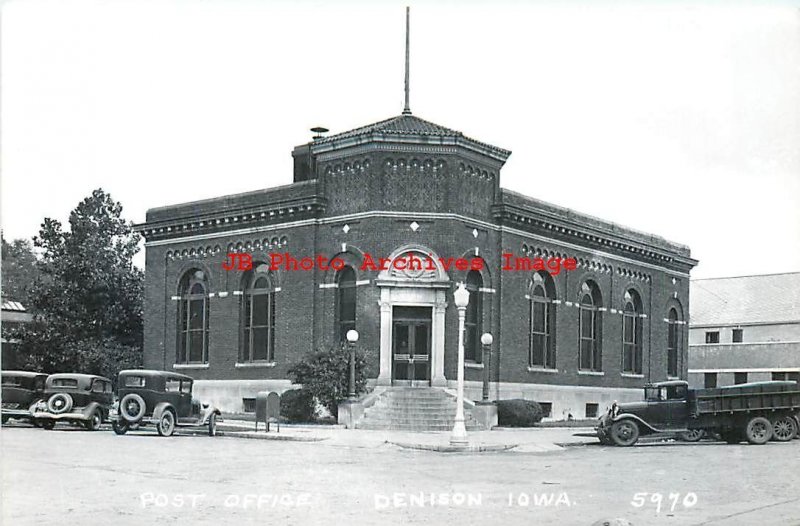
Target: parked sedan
160 398
83 399
21 390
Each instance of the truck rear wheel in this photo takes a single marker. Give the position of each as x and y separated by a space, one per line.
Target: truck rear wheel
758 430
784 429
625 433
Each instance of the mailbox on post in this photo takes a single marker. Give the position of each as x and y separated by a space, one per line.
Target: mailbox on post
268 409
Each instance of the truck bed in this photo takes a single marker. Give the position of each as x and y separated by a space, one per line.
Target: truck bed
757 396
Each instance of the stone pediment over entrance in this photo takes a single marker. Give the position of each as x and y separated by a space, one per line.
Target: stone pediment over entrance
414 266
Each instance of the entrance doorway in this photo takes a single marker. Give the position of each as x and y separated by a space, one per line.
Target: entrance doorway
411 346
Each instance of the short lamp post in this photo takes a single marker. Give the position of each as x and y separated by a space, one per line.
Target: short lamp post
459 436
352 338
486 341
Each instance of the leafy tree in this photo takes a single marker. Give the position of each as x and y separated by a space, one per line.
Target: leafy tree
326 375
19 269
88 303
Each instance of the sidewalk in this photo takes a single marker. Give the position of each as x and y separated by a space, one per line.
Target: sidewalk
520 440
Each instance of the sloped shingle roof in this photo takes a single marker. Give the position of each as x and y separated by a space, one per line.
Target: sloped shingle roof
769 298
404 125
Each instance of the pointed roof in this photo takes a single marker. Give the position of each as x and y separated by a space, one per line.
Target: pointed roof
406 126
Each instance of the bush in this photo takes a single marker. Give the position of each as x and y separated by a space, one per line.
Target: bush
326 374
518 413
297 405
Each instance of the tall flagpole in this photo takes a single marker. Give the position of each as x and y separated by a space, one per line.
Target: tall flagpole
407 108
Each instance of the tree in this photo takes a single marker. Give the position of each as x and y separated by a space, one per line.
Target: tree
88 303
19 269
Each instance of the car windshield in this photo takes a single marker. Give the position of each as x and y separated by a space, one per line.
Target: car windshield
652 393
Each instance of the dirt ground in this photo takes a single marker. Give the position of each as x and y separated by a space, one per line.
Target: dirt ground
77 477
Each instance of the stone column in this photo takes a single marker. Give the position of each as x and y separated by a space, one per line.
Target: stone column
437 349
385 374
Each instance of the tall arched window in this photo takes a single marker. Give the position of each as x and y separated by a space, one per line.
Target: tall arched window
193 319
541 344
589 322
258 316
345 301
673 342
632 333
472 321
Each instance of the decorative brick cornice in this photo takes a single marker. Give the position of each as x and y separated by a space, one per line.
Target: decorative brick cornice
271 213
624 243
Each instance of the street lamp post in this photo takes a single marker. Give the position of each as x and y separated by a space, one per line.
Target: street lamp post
486 340
352 338
459 436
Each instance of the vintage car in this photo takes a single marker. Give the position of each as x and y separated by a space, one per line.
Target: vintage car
83 399
161 398
21 391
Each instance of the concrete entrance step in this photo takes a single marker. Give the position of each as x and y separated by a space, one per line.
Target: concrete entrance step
414 409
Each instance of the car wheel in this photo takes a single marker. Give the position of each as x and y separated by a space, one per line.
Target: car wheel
94 423
166 424
758 430
212 425
693 435
48 424
784 429
120 427
132 407
625 433
60 403
5 419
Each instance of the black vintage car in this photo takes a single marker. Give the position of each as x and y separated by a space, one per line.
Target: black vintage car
161 398
21 390
83 399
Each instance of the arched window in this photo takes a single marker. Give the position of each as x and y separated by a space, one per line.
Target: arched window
472 322
541 344
345 301
632 333
589 322
673 342
193 319
258 317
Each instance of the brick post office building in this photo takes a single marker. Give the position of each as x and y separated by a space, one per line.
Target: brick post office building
574 341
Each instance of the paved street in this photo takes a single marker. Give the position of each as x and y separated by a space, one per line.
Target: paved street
76 477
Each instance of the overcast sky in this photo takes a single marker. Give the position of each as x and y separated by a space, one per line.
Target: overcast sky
677 120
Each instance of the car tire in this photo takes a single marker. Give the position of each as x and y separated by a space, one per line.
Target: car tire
120 427
212 425
48 424
758 430
625 432
784 429
166 424
693 435
95 421
60 403
131 401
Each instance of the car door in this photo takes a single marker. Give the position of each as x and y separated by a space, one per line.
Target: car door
677 407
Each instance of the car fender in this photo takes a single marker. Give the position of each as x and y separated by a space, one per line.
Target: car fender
159 409
90 408
629 416
208 411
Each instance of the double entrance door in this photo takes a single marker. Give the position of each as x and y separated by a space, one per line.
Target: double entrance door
411 346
